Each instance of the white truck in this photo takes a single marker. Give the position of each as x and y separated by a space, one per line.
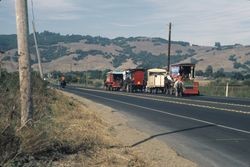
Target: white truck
156 80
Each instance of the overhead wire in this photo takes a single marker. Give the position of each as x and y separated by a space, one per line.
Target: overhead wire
32 10
35 40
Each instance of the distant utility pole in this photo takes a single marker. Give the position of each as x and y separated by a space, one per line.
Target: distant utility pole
86 79
24 60
1 52
169 46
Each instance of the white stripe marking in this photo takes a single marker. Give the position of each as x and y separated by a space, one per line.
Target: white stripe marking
174 102
176 115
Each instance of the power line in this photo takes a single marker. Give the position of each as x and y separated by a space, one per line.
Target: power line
35 40
32 9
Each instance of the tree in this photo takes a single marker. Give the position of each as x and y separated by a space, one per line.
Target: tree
193 61
191 51
247 76
220 73
217 45
209 71
232 58
199 73
237 76
178 52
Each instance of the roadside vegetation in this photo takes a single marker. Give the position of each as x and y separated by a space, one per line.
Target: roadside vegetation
238 83
65 132
217 87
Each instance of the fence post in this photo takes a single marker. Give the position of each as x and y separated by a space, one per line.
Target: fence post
227 90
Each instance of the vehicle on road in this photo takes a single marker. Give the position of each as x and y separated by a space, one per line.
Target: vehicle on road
156 80
179 81
184 74
114 81
134 80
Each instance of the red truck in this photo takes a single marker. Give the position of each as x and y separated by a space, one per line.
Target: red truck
186 71
114 81
134 80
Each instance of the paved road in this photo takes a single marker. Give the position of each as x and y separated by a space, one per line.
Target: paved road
208 130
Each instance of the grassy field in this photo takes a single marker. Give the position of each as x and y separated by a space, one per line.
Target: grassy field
240 89
65 132
233 91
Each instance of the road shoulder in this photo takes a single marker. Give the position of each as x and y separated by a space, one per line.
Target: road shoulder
154 151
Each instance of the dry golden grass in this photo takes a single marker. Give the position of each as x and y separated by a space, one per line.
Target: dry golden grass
65 132
152 153
70 134
89 136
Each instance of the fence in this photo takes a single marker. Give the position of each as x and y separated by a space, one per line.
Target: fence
233 90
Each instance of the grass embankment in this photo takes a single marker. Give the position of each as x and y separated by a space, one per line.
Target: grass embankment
64 133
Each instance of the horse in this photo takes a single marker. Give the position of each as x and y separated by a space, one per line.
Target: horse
179 87
169 83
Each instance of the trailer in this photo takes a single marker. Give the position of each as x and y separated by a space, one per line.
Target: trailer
156 80
134 80
114 81
185 71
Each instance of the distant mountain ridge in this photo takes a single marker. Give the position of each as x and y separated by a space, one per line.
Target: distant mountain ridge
79 53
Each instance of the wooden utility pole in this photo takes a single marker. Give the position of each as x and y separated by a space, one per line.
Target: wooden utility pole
0 69
24 60
169 46
1 52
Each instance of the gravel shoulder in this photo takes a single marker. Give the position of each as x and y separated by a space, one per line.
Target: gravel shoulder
153 151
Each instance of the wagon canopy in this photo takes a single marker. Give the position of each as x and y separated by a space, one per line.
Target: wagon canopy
157 70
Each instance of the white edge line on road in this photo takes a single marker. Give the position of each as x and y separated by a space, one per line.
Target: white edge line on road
183 99
171 101
203 101
176 115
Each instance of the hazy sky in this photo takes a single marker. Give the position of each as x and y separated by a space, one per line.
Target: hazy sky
201 22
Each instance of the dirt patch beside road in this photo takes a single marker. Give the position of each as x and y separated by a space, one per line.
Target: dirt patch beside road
154 152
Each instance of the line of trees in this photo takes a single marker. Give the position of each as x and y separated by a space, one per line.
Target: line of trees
209 72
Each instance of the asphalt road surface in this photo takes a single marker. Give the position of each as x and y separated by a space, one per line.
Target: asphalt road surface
210 131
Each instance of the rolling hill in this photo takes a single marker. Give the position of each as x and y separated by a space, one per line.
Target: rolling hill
80 53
